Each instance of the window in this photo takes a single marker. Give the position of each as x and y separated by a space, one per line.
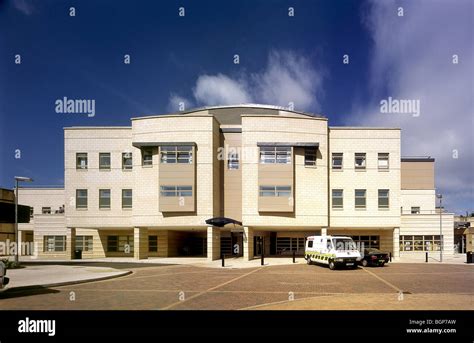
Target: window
337 160
147 157
383 198
383 160
275 154
415 210
360 198
275 191
420 243
31 212
127 162
364 242
81 160
46 210
126 198
152 243
81 198
233 161
310 156
176 191
310 244
104 198
337 198
54 243
359 160
84 243
177 154
104 160
120 244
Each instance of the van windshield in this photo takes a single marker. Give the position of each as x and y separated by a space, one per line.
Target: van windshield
344 244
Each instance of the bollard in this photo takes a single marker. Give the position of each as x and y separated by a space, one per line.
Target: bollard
223 260
426 257
294 256
390 256
262 256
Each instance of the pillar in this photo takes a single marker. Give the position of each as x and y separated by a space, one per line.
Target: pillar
140 243
396 243
70 242
248 244
324 231
213 243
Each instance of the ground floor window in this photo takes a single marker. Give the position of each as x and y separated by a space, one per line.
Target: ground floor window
120 244
84 243
286 245
153 243
420 243
54 243
364 242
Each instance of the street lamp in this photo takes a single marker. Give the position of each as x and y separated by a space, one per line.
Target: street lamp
440 197
17 240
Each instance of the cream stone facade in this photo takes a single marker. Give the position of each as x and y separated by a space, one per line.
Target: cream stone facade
148 189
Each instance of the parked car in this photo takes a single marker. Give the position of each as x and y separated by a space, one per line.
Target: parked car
374 257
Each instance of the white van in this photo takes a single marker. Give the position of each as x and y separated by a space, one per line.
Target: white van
332 250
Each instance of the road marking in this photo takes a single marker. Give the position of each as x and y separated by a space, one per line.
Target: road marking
211 289
383 280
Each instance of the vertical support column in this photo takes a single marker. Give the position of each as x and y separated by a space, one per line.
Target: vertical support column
248 243
70 242
396 243
324 231
213 243
163 243
140 243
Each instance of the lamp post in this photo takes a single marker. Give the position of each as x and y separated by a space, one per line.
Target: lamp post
440 197
17 240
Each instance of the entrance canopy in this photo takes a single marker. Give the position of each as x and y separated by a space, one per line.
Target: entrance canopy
222 221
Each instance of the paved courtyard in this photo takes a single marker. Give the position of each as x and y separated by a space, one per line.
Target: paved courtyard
299 286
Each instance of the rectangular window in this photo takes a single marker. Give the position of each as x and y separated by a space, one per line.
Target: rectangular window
176 154
337 198
112 243
363 242
120 244
84 243
54 243
81 160
383 160
275 191
31 212
420 243
360 199
233 161
147 157
337 160
275 154
310 156
126 198
383 198
359 160
104 198
104 160
81 198
127 162
176 191
415 210
46 210
153 243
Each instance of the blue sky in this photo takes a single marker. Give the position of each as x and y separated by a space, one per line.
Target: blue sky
282 59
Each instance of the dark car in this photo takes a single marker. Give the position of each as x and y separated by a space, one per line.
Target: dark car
374 257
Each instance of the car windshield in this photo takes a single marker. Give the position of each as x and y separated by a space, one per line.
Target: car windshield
344 244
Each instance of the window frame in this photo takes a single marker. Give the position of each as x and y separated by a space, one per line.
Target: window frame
147 152
233 161
277 191
310 156
275 154
106 155
127 156
44 210
379 197
383 156
174 191
86 242
83 197
337 156
176 154
46 244
85 158
101 198
360 197
359 155
124 205
153 243
341 197
414 211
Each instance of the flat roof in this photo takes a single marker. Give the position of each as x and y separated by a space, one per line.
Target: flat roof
417 159
362 128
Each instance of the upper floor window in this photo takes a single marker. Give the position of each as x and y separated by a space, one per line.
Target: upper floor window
383 160
415 210
232 161
104 160
127 160
81 160
104 198
147 157
337 198
46 210
336 160
383 198
81 198
359 160
360 198
275 191
177 154
310 156
126 198
275 154
176 191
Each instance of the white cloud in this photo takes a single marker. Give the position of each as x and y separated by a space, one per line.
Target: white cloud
285 78
412 59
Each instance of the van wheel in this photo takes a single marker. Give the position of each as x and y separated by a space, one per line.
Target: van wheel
382 264
365 263
308 260
332 265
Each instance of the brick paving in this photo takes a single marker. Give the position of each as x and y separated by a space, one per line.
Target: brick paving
183 287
